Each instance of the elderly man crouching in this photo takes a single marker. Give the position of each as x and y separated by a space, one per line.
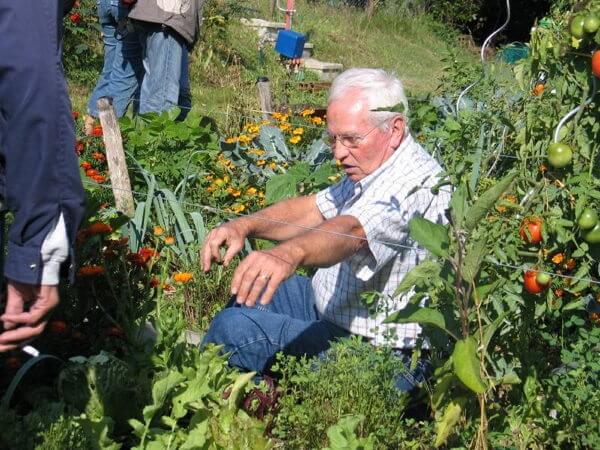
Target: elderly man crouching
355 232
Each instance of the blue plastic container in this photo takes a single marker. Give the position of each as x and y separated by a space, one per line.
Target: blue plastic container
290 43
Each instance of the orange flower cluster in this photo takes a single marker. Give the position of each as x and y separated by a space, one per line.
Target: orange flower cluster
90 271
97 131
79 147
99 156
183 277
92 230
142 257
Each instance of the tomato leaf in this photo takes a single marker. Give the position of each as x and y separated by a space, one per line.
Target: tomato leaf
458 205
467 366
486 201
430 235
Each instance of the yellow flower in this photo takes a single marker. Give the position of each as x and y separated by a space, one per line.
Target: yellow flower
183 277
251 191
276 115
243 139
317 120
231 140
273 165
558 258
285 127
265 122
261 194
256 151
169 240
252 128
238 208
234 192
261 162
158 231
307 112
209 177
298 131
226 179
295 139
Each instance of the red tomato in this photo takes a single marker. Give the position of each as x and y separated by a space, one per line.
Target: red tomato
58 327
114 331
530 283
596 63
531 230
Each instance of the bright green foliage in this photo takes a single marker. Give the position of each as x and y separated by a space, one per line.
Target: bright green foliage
351 378
342 435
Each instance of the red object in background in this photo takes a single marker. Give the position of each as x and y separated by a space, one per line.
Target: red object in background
596 63
58 327
75 18
97 131
531 230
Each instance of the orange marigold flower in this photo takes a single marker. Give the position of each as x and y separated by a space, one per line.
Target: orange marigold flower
307 112
97 131
234 192
92 172
86 165
99 156
169 240
79 147
261 162
238 208
570 265
595 318
99 228
295 139
183 277
558 258
143 255
317 120
90 271
251 191
559 292
298 131
99 178
158 231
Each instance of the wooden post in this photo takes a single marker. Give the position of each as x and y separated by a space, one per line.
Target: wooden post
264 96
371 4
115 156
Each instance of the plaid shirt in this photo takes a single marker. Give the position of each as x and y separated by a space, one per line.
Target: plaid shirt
383 202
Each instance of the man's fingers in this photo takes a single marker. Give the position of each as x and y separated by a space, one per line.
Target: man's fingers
257 287
245 284
232 250
269 291
20 334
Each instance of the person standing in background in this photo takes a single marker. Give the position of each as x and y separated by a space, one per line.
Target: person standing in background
39 174
122 72
167 30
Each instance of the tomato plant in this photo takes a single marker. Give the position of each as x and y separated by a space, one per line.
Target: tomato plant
531 230
58 327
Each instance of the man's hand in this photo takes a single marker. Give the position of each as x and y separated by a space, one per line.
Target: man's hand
261 273
231 235
20 323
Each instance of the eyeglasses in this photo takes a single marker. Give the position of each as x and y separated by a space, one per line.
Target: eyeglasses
348 140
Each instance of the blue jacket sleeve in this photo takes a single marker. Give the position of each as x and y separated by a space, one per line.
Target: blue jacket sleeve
37 138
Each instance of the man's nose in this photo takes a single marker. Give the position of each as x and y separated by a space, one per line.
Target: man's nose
339 151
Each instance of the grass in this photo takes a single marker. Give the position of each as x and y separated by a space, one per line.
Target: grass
226 63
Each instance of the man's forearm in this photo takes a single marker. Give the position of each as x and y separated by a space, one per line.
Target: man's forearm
333 241
283 220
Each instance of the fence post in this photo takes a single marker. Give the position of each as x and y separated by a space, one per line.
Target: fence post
264 96
115 156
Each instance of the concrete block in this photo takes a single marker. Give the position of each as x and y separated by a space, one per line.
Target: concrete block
326 71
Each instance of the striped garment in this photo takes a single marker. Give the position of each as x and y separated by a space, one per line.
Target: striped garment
383 202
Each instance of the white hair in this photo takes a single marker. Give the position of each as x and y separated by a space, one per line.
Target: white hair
380 88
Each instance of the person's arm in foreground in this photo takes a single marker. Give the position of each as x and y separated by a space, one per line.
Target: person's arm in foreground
42 183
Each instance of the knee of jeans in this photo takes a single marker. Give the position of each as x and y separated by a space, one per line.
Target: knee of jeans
230 327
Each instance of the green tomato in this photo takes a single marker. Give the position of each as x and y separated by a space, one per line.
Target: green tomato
591 23
576 27
588 219
543 279
592 236
559 155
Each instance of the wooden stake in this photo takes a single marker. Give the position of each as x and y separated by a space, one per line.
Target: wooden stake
264 96
115 156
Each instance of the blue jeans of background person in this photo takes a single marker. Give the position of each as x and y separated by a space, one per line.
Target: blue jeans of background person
123 71
166 79
289 324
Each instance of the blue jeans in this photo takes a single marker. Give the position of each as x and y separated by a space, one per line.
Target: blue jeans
123 71
166 80
289 324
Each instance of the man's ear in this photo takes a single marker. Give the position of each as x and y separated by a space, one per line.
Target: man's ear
398 130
